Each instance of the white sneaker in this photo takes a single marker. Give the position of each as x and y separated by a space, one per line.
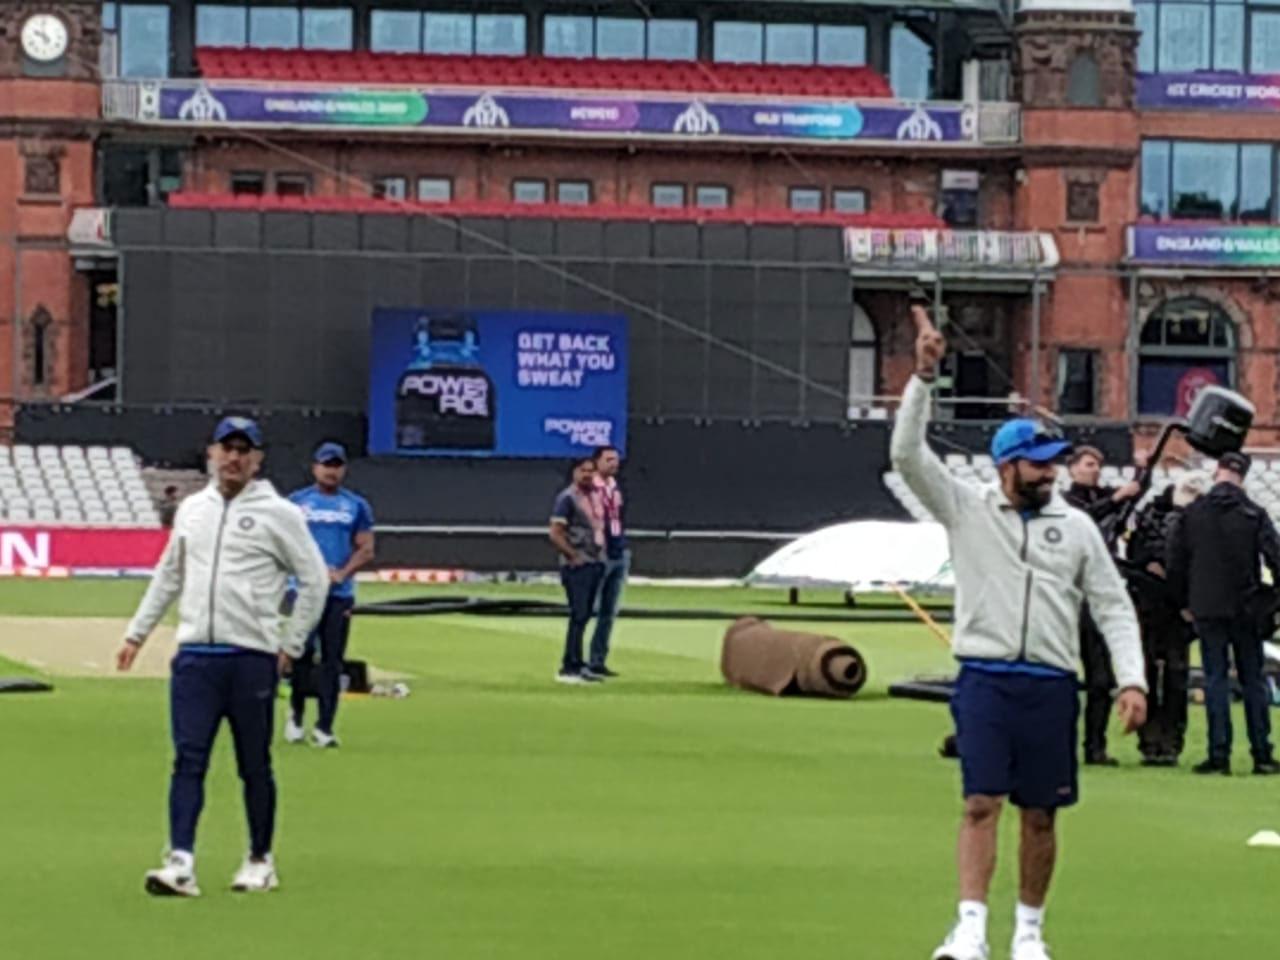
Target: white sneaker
961 944
321 739
294 732
255 876
177 878
575 679
1029 946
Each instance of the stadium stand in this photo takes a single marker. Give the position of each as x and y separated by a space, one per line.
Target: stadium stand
489 73
74 485
346 204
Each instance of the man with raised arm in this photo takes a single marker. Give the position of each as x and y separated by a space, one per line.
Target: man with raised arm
1024 563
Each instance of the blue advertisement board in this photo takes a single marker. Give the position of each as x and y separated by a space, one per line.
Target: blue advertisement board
496 384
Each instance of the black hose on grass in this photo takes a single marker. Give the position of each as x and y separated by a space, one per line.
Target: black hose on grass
498 607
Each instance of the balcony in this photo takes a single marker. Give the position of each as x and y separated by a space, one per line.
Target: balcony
524 111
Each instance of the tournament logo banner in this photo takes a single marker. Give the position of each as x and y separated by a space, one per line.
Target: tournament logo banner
1209 245
568 112
1209 91
496 384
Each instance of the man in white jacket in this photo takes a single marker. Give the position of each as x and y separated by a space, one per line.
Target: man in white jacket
232 548
1024 562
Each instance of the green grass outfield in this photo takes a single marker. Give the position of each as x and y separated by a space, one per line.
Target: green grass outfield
495 814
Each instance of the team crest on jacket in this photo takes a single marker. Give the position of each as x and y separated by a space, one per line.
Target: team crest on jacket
246 523
1053 535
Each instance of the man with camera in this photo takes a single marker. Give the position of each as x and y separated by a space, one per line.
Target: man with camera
1214 571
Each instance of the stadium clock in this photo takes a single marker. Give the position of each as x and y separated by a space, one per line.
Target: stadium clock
44 37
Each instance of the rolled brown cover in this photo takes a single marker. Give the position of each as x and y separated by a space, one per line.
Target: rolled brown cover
756 656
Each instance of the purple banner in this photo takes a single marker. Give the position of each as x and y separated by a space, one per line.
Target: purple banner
1211 245
569 113
1209 91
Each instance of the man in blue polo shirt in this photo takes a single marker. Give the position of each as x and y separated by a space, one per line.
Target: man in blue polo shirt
342 524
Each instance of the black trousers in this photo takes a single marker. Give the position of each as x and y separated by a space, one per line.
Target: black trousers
581 584
1222 641
330 641
1166 646
1099 682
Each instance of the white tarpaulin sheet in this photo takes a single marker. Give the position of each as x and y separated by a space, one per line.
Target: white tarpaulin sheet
865 555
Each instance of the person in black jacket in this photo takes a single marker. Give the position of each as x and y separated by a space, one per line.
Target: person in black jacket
1103 504
1166 637
1214 571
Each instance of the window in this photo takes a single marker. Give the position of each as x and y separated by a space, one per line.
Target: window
805 199
568 36
435 189
293 185
711 196
862 360
326 28
398 31
620 38
673 39
109 15
1189 179
667 195
846 200
1084 82
910 64
842 46
221 26
274 27
1204 180
573 192
452 33
248 183
1155 178
1083 201
735 42
40 322
1264 46
1077 379
144 40
1187 343
390 188
529 191
500 34
1187 35
788 43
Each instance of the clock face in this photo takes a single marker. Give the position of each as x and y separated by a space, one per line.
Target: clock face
44 37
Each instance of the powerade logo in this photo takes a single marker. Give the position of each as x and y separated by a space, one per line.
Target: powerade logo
581 433
460 394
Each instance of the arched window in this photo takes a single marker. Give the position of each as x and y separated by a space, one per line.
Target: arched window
862 360
1084 82
1187 343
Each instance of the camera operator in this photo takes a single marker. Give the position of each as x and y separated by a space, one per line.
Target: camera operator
1103 505
1214 571
1166 637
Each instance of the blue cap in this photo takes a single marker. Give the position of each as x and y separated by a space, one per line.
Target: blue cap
1025 439
242 426
330 451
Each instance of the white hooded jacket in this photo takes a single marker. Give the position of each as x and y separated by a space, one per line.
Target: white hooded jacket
227 564
1020 581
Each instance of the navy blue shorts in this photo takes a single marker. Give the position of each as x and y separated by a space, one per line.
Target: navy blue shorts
1016 735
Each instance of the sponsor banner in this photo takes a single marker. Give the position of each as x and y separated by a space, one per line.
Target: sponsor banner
1209 91
959 248
1168 387
496 384
569 112
1208 245
62 551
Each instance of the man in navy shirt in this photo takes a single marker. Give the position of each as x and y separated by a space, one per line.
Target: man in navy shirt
342 524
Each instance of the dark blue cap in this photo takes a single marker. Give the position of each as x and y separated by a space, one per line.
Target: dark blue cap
1026 439
238 426
330 451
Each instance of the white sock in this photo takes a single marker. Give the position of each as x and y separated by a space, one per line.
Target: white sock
184 857
973 918
1029 920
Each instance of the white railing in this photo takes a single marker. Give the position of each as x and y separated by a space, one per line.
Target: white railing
999 122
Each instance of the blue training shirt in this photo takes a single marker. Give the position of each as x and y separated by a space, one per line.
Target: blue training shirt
334 520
